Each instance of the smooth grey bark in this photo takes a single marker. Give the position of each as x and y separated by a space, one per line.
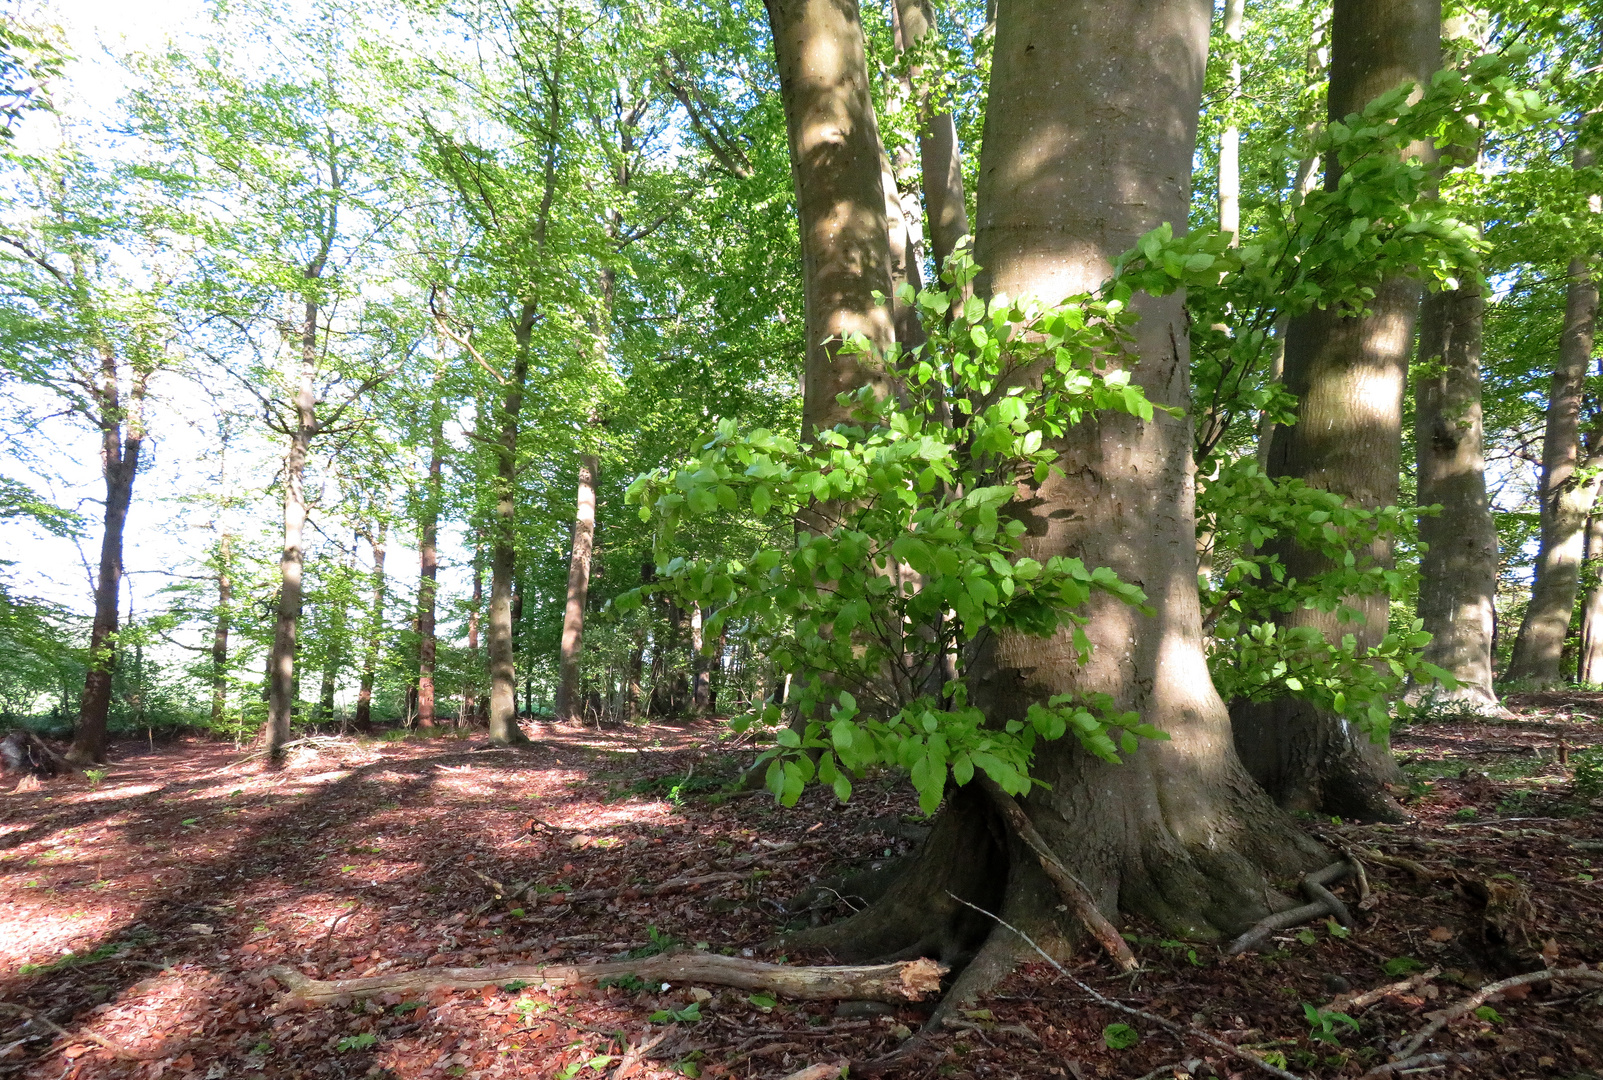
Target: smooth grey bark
1589 660
1230 137
291 561
940 156
1088 145
375 625
840 198
1567 491
429 567
1348 374
570 703
122 437
471 711
1458 569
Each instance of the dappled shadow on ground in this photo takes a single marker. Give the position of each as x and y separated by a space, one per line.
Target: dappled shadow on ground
142 911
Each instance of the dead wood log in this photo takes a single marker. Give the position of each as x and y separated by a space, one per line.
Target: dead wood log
906 981
1408 1047
1069 887
1321 903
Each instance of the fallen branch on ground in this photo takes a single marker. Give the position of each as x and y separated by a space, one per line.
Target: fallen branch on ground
1180 1030
819 1072
1408 1047
122 1052
1321 903
1369 997
1069 887
1423 1061
906 981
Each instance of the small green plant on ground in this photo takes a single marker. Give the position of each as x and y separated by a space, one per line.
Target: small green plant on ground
1324 1025
356 1042
690 1014
1120 1036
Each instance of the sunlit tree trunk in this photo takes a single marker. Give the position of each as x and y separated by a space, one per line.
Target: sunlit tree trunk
1089 137
701 672
940 157
470 683
503 545
840 196
1567 491
1589 663
281 683
569 705
1348 374
122 437
1230 137
375 626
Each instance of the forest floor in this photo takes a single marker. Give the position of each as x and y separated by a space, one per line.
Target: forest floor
140 911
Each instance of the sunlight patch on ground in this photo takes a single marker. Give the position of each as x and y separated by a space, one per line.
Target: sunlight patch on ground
41 932
124 791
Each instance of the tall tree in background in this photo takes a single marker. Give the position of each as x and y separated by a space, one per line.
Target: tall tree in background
1568 483
1349 375
940 154
570 703
77 325
376 535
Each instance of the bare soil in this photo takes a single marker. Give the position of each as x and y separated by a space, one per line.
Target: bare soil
140 910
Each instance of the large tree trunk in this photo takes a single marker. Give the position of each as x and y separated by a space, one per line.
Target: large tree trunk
1458 570
121 440
428 547
569 704
1088 145
1348 375
375 627
1567 492
940 160
840 197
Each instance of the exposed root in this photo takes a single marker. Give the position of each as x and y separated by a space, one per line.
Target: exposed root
1077 896
1321 903
1179 1030
909 981
1369 997
1424 1061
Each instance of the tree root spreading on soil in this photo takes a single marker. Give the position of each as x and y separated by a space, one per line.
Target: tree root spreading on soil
1069 887
1181 1031
906 981
1410 1046
1369 997
1321 903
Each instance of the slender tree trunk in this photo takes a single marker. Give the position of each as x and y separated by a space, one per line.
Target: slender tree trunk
375 627
428 545
1567 492
121 439
634 675
1230 137
940 158
220 628
1458 570
503 546
470 683
1349 375
840 197
568 704
700 669
1088 145
281 685
1589 663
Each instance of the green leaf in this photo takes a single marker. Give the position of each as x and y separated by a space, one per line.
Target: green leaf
761 500
1120 1036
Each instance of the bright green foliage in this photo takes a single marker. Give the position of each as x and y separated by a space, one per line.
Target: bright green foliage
906 551
1325 1025
1120 1036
